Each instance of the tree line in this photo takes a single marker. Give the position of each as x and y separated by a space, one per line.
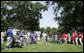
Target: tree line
22 14
71 15
26 15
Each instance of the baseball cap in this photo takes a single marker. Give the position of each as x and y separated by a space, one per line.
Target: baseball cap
11 27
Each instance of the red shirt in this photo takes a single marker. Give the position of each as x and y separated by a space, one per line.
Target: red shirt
76 35
80 35
58 37
54 35
65 36
72 37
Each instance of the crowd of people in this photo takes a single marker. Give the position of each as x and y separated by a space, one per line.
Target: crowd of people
75 38
21 37
26 37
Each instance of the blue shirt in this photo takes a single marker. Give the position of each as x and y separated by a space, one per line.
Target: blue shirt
34 34
21 34
9 33
31 35
50 36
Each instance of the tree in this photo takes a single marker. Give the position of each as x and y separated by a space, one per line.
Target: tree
71 16
24 14
60 29
42 30
48 29
3 23
53 30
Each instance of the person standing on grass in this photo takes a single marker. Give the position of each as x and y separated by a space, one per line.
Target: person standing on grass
25 39
56 38
69 38
34 35
9 34
72 38
38 37
14 31
50 37
76 37
65 38
29 38
2 36
80 38
44 36
60 38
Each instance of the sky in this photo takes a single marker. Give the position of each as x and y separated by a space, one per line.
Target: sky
48 18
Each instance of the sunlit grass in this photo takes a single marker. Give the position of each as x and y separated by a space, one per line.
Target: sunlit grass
47 47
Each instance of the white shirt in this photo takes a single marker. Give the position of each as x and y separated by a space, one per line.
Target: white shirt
38 35
68 35
14 32
28 33
2 33
44 34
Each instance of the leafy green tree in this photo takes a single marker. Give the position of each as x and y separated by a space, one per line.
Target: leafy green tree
60 29
42 30
48 29
3 23
71 15
23 14
53 30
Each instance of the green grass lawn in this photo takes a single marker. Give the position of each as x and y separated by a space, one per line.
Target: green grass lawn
47 47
